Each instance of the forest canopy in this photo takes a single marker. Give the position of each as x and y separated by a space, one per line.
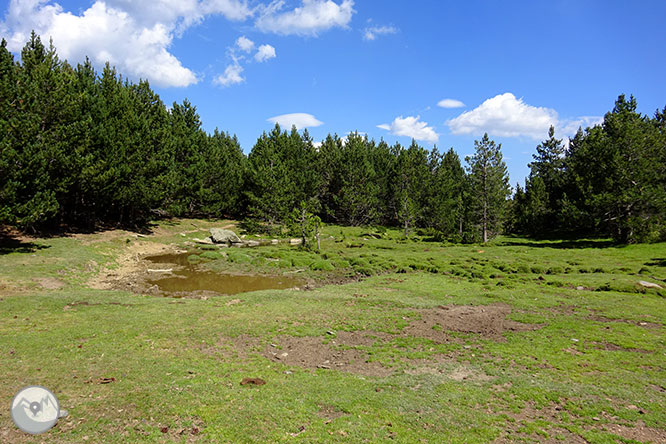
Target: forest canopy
81 149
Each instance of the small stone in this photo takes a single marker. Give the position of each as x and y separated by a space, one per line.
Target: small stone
649 284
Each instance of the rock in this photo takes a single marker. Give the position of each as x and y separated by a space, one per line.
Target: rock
274 241
295 241
252 243
649 284
220 236
206 241
580 287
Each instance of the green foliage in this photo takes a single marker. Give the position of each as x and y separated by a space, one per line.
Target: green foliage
610 182
306 225
489 186
81 148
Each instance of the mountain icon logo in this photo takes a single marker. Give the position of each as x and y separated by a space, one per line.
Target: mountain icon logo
35 410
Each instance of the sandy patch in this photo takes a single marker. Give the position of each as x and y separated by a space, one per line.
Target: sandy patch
130 266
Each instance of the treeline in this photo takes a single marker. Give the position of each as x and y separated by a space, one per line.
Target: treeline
81 148
611 181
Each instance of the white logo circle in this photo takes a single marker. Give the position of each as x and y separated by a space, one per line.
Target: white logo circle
35 409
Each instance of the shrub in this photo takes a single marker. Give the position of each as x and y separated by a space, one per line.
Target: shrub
212 255
193 259
322 265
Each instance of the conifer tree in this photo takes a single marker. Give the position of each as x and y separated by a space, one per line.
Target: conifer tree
489 185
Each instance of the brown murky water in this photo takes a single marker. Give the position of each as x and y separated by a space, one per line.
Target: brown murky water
189 278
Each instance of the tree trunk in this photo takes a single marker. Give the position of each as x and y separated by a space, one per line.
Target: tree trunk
485 222
317 236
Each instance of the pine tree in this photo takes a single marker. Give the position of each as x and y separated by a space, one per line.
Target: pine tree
489 185
411 175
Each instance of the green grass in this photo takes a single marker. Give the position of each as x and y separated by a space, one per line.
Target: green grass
590 364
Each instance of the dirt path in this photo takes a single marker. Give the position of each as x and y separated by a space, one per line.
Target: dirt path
130 265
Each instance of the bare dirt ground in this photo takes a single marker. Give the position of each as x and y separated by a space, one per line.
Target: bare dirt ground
637 431
346 351
489 321
131 267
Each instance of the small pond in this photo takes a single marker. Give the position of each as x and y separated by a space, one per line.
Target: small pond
186 277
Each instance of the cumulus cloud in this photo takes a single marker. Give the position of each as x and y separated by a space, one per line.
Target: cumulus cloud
245 44
371 33
135 36
232 76
265 52
311 18
413 127
507 116
183 12
238 53
299 120
450 103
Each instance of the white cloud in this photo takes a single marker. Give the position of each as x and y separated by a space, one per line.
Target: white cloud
185 12
265 52
411 127
309 19
300 120
245 44
506 116
135 36
374 31
450 103
237 10
232 76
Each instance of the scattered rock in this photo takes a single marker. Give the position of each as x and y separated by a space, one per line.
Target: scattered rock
207 241
295 241
274 241
252 243
649 284
221 236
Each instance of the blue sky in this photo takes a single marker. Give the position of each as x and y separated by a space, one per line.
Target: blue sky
442 72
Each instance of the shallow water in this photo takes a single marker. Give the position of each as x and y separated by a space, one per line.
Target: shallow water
191 278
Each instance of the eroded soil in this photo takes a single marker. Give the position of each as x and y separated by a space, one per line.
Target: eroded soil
348 351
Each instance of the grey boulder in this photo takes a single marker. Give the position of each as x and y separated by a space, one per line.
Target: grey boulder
221 236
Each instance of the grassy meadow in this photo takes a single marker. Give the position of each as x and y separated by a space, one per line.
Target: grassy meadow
387 340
